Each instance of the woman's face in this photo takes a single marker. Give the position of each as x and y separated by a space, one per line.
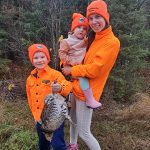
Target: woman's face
96 22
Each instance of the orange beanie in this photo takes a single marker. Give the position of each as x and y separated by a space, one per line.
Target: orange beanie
78 20
38 48
98 7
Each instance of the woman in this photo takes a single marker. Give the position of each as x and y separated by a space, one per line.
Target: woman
102 51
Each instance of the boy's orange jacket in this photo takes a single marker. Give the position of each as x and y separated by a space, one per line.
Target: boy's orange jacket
98 62
39 85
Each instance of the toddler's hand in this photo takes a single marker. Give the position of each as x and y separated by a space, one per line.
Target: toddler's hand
55 87
67 70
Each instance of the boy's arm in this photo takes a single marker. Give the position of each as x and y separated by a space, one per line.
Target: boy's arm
28 95
66 86
63 52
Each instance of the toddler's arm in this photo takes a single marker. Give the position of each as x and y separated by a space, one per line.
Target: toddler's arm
63 52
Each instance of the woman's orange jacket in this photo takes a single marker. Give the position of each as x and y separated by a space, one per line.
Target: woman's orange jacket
38 85
98 63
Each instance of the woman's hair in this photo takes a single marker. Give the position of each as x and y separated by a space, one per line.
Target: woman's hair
91 37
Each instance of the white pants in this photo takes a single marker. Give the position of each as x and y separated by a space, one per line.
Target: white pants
81 117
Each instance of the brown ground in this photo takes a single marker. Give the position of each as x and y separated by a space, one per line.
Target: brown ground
116 126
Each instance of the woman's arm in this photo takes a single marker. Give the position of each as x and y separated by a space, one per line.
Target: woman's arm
102 57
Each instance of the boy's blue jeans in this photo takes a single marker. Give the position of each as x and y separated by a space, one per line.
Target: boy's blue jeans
58 141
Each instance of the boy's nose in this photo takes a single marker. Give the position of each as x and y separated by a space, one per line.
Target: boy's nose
40 60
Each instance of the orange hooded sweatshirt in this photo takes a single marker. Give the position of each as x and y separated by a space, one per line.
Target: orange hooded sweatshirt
98 63
38 85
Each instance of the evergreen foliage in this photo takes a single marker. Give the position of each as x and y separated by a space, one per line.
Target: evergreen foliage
44 21
128 20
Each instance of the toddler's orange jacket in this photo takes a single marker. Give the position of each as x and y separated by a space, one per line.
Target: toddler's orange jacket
98 62
38 85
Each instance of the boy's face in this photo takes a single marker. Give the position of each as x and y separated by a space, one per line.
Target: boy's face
80 32
40 60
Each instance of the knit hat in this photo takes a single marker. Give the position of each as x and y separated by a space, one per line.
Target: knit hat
98 7
78 20
38 48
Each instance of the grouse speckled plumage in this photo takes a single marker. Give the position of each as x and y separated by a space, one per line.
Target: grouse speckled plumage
53 115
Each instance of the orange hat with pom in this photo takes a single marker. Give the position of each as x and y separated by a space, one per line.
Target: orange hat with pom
78 20
98 7
38 48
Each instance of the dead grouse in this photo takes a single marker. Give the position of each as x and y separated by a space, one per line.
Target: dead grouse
53 115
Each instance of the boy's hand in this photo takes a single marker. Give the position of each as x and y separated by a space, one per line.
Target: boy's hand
55 87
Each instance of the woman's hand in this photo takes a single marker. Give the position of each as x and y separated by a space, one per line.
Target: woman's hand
67 70
55 87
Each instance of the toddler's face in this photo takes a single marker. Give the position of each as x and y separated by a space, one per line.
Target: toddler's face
96 22
80 32
40 60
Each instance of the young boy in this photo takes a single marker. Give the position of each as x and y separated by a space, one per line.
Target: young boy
72 51
40 83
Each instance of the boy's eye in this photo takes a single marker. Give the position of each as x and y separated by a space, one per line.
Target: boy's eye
42 57
35 57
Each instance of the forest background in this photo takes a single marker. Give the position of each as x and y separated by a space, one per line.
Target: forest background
23 22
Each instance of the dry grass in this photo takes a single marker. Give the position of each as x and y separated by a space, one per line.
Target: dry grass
139 109
128 127
17 114
1 113
116 126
